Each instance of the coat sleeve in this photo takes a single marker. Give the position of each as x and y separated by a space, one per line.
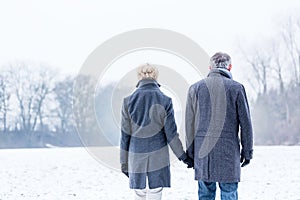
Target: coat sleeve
125 134
190 115
172 136
245 124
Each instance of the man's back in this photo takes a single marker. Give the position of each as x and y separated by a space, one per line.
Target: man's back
217 102
217 107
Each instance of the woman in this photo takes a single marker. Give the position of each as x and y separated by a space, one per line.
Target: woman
148 126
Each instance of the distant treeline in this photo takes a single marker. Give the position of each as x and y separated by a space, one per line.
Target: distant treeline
275 78
37 109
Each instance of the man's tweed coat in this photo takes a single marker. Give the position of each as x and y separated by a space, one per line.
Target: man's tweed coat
217 108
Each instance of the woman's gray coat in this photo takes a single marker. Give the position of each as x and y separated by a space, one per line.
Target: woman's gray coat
216 109
148 126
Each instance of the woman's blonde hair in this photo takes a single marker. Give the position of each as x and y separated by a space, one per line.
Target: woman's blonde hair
147 71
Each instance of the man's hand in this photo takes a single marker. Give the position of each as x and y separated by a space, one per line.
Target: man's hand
244 161
189 161
124 169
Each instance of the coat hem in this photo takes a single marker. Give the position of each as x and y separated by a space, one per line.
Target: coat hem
218 180
141 188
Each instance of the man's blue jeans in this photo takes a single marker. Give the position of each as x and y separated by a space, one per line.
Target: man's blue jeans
207 190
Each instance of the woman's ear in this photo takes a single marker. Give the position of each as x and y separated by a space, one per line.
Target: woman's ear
229 67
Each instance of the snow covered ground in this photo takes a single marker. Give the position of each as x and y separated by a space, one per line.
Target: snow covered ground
72 173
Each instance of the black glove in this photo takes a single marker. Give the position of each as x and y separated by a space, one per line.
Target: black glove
124 169
244 161
189 161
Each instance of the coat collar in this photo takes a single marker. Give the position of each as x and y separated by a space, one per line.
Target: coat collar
149 82
220 71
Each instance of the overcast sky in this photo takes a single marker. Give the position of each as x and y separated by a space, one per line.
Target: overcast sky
63 33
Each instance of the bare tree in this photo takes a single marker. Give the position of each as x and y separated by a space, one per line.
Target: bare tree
277 65
82 104
260 63
84 110
63 111
4 100
291 38
31 87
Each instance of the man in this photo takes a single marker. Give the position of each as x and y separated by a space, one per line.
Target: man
148 126
216 108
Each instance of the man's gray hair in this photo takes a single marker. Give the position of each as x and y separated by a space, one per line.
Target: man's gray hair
220 60
147 71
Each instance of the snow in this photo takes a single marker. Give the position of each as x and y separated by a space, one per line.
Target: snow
72 173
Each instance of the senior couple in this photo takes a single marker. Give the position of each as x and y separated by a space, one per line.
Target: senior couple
219 138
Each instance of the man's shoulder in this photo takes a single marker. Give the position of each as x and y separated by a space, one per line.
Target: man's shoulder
228 83
235 85
198 84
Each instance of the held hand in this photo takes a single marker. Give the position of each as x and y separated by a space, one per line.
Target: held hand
244 161
189 161
124 169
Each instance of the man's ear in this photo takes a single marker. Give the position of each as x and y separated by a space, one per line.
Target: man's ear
209 67
229 67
